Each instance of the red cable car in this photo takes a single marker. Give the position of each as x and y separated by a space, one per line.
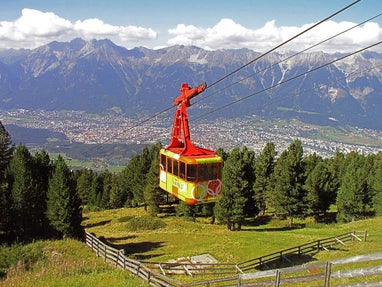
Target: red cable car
188 172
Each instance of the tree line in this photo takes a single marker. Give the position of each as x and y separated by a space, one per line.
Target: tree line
40 196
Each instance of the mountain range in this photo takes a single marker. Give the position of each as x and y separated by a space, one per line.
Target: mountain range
98 76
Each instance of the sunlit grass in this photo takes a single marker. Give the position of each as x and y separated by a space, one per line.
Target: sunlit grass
71 263
64 263
182 238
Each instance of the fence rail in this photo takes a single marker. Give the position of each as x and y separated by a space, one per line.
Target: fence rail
118 258
302 250
240 275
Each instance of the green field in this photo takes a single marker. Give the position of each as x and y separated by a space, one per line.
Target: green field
182 238
70 263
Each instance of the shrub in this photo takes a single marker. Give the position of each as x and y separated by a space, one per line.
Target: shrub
124 218
19 256
144 223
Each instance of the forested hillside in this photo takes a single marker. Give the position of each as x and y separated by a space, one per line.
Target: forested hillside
290 184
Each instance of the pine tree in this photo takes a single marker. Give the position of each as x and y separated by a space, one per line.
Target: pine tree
288 195
135 178
336 169
22 184
95 191
42 170
230 208
377 188
153 194
317 186
5 209
249 159
264 169
85 185
64 205
117 196
126 177
354 195
107 184
6 151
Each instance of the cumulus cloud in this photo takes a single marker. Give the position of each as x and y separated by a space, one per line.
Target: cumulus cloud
227 34
35 28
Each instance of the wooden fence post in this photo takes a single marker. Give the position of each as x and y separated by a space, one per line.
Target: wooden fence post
104 252
365 235
328 271
277 279
238 281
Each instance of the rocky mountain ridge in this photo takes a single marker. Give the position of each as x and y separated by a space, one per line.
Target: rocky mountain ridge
98 76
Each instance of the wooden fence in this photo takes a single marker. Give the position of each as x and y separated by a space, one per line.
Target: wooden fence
240 276
118 258
270 261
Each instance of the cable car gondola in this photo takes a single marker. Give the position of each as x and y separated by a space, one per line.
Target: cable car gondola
188 172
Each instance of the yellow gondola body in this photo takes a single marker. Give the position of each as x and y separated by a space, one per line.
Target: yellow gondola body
189 172
192 179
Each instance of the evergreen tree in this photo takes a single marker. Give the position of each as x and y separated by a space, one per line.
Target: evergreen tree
264 169
249 159
354 195
95 192
25 204
6 151
42 170
336 168
107 185
117 196
230 208
310 162
5 209
64 205
376 186
135 176
85 185
126 177
288 195
153 194
317 186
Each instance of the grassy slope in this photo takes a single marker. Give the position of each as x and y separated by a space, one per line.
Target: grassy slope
69 263
64 263
181 238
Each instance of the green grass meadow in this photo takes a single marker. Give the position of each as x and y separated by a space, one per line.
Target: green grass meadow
71 263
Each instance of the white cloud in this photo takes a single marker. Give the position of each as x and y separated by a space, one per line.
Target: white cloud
35 28
229 35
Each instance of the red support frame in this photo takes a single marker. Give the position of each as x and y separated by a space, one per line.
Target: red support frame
180 137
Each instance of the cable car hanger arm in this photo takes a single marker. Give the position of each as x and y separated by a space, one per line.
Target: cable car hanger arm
187 93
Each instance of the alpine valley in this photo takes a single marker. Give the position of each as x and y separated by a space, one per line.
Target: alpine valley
98 76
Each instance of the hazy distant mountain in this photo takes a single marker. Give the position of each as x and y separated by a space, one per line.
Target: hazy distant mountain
97 76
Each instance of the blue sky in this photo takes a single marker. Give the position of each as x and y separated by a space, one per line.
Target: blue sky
210 24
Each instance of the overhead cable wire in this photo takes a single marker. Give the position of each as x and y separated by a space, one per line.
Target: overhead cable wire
287 58
256 59
286 81
359 71
283 43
